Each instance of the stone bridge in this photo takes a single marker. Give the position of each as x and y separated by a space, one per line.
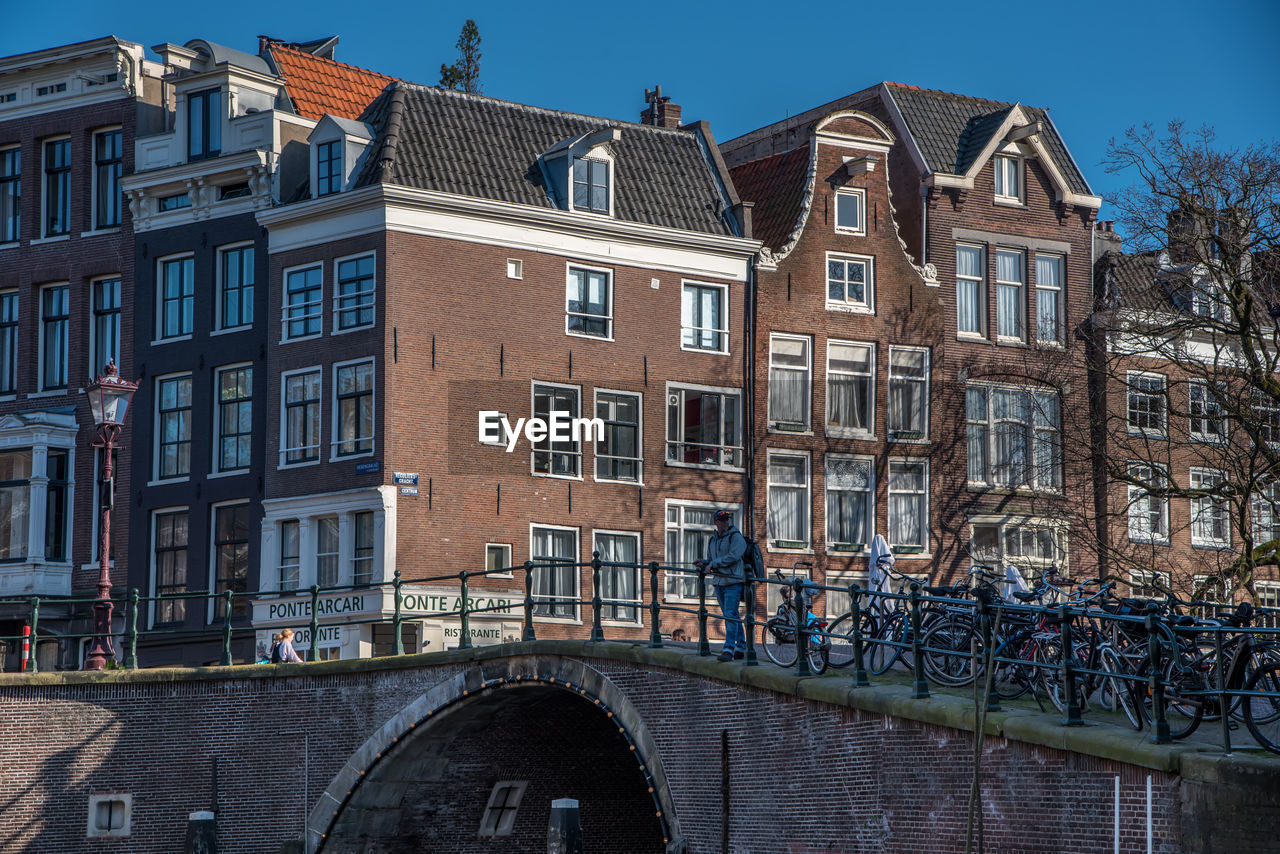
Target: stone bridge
666 752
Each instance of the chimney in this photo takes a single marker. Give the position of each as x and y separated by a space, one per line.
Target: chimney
1105 238
1188 234
660 112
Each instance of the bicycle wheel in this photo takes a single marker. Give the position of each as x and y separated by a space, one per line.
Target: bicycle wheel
882 654
946 651
818 651
1262 714
1013 678
1118 690
840 635
778 641
1183 712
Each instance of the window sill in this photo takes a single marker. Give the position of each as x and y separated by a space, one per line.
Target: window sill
302 465
588 337
923 554
1009 341
310 337
1149 541
44 240
53 392
857 549
786 431
680 465
797 550
912 437
850 309
13 244
1009 202
619 482
1013 490
1049 345
625 624
362 328
563 621
345 457
1149 434
99 232
1214 547
158 341
231 329
972 337
852 232
8 397
576 477
707 350
837 433
169 481
231 473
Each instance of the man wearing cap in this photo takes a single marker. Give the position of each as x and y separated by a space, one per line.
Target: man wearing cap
728 576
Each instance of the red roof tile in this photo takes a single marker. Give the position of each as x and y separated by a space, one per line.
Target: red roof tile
318 86
776 184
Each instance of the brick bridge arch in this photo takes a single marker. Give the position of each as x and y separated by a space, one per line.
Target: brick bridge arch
371 797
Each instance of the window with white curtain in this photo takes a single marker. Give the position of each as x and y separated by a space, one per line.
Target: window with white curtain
1266 512
1009 294
908 393
789 382
554 552
971 290
908 504
1049 299
1012 437
850 388
850 484
1148 509
1210 515
789 500
1025 542
619 585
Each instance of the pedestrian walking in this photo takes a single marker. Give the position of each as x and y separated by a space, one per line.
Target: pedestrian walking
283 652
728 577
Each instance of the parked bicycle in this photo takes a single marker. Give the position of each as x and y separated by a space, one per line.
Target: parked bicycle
778 634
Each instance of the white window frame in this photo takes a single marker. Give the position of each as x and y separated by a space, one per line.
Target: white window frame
515 268
1059 290
828 535
1021 285
506 547
219 268
94 213
216 598
215 465
672 584
153 569
1000 178
335 325
576 596
339 181
774 543
279 557
1267 493
852 432
1268 597
1207 403
1198 508
902 435
805 426
1140 583
160 337
533 451
595 403
638 602
926 533
335 427
608 318
725 450
317 304
1031 482
609 179
1006 523
66 352
157 432
981 298
861 202
724 316
1162 395
43 145
1137 497
16 181
93 322
867 306
284 449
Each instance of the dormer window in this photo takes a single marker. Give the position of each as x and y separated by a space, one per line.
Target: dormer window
204 124
338 147
329 168
1008 178
590 185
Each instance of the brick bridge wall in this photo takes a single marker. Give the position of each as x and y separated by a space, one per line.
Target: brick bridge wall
813 765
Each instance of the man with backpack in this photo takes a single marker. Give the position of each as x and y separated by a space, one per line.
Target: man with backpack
724 561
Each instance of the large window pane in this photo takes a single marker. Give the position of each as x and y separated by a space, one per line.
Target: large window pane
231 558
789 500
354 407
850 388
558 458
618 456
589 303
908 393
619 584
850 491
971 291
555 587
789 382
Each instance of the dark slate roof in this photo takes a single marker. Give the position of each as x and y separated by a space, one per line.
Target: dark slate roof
951 130
776 184
1131 282
470 145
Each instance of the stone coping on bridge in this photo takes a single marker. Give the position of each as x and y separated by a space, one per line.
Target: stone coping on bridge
1200 762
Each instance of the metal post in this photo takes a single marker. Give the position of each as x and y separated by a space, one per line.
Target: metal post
131 660
921 688
32 666
801 608
1069 671
226 632
655 610
100 647
860 679
464 615
1155 680
313 652
1224 701
528 601
397 647
597 631
704 648
749 589
992 700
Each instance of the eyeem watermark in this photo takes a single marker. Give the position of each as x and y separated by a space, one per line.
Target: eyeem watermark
558 426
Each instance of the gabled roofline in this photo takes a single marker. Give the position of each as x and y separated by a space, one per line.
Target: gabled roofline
65 53
913 147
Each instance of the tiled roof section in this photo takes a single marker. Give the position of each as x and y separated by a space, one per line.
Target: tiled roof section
952 130
776 184
1131 282
318 86
470 145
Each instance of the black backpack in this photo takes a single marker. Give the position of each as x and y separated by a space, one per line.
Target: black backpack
752 561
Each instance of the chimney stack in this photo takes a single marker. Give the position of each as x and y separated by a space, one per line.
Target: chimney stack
660 112
1188 233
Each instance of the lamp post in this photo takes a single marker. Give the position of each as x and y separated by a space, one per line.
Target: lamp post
109 397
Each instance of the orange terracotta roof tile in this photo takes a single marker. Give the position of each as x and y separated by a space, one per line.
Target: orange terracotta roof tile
319 86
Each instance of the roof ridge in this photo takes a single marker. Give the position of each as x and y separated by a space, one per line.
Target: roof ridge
391 145
284 46
764 157
542 110
999 104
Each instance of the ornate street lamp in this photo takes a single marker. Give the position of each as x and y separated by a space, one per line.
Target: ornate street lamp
109 397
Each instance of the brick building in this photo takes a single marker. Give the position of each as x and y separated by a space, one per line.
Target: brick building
456 254
68 119
987 200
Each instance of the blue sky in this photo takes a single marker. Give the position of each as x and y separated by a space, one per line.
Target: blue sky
1098 67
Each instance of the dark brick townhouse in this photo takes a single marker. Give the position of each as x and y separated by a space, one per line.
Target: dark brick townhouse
987 199
461 253
68 118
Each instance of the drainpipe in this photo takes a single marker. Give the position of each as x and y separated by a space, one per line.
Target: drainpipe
749 399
